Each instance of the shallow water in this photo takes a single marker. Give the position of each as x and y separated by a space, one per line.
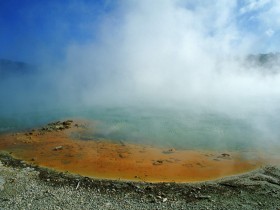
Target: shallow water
107 159
180 128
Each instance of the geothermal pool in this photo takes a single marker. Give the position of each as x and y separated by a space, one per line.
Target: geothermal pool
156 145
181 128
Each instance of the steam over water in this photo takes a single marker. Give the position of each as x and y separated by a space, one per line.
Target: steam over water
182 128
183 74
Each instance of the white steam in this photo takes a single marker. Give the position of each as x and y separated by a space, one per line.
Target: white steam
174 53
171 52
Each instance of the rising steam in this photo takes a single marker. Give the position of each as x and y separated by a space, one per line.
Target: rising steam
170 52
178 54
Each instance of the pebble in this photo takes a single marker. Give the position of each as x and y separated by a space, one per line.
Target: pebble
108 204
2 182
58 148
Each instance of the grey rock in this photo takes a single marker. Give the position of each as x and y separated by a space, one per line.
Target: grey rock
2 182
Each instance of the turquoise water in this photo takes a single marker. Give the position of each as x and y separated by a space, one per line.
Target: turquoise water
162 127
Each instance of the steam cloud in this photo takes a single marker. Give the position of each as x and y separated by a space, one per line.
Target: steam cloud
173 52
165 53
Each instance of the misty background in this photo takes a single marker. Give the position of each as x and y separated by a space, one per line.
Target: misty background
176 73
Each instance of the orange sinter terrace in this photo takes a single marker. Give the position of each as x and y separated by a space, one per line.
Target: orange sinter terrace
54 146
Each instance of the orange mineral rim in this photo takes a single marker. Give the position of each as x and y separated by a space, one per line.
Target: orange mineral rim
105 159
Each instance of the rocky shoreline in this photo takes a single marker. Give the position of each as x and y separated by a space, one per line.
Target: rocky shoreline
25 186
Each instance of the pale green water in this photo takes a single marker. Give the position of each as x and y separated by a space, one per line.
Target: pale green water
163 127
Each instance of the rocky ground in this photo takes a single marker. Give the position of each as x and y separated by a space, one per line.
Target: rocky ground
23 186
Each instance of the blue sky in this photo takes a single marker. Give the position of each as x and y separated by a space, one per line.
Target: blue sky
32 30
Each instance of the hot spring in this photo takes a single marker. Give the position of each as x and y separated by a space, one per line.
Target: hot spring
181 128
134 142
173 91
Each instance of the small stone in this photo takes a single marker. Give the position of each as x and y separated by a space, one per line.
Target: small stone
58 126
108 204
58 148
203 196
225 155
67 122
158 162
169 151
121 155
2 182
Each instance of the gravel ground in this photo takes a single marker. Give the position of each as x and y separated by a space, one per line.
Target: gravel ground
23 186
